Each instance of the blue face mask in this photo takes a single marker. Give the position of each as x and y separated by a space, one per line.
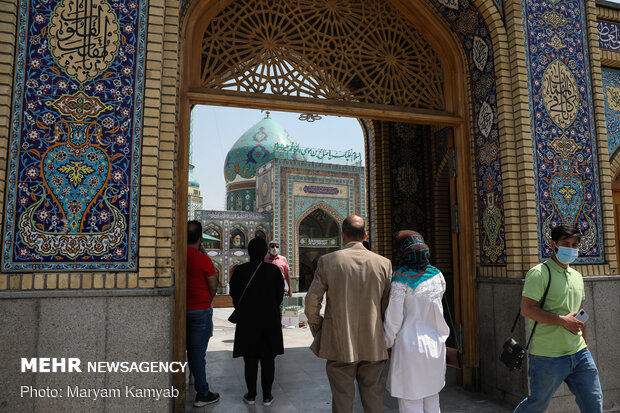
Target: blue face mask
567 255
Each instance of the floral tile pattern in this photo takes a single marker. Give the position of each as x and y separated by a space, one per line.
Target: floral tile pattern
76 128
469 25
564 141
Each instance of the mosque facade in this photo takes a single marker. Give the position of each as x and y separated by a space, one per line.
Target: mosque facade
275 193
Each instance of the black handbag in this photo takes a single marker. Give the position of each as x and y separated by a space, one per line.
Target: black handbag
512 352
234 316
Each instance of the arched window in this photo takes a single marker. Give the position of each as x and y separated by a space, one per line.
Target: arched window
261 234
213 238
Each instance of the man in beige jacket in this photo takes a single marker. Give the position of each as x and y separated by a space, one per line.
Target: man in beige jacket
350 335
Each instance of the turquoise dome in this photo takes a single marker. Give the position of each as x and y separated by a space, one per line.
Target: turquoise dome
256 147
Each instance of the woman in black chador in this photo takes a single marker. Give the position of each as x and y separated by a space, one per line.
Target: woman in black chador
258 336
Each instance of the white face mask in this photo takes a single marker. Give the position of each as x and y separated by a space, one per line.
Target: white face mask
274 250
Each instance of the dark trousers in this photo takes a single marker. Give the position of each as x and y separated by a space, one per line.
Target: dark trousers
267 374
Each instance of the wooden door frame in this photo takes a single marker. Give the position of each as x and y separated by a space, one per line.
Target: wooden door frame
456 115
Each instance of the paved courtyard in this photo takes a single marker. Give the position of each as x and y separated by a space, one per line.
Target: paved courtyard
301 384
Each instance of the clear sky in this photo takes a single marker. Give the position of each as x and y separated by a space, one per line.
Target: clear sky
216 129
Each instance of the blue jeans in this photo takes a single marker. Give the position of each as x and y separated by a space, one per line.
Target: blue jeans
198 330
577 370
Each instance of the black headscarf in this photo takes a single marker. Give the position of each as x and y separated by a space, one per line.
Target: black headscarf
257 248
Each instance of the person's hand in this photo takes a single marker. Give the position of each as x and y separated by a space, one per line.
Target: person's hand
570 323
289 293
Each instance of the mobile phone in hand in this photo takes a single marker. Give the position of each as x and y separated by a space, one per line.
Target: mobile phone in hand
582 315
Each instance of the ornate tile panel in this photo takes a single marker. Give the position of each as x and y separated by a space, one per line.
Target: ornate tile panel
608 35
302 204
74 164
469 25
611 90
565 154
408 189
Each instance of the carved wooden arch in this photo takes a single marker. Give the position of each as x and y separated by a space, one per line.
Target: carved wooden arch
450 68
353 50
456 113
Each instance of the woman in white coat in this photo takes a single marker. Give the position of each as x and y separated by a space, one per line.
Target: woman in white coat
415 329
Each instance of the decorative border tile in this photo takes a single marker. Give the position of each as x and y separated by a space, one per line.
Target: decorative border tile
467 23
611 91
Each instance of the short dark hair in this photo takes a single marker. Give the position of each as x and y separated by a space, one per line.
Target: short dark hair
352 231
565 231
194 231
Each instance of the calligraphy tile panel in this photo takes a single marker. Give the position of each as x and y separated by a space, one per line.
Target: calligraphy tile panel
469 25
564 141
611 90
74 161
408 185
608 35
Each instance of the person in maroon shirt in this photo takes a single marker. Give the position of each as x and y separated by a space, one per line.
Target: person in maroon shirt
201 287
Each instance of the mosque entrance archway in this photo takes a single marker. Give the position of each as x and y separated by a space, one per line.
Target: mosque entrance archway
318 234
269 61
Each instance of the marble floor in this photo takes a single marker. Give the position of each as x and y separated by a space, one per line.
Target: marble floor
301 385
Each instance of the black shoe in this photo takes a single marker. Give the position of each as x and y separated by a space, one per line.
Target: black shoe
249 399
267 401
202 400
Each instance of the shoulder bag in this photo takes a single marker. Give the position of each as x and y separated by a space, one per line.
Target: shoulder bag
513 354
234 316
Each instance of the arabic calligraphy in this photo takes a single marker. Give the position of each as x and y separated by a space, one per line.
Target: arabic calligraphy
613 97
84 37
560 94
485 119
608 35
319 153
480 52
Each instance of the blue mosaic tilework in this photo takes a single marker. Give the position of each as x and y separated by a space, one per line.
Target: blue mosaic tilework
241 200
225 222
608 35
256 147
288 171
565 154
611 90
469 25
74 164
302 204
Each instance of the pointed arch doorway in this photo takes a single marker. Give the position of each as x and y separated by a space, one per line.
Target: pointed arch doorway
318 234
314 57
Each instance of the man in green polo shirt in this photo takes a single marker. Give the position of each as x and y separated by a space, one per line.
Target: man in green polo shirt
559 350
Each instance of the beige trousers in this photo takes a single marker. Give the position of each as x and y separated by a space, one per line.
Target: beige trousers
342 378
